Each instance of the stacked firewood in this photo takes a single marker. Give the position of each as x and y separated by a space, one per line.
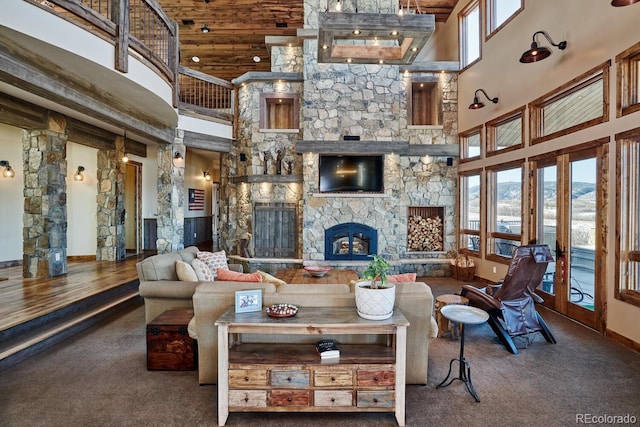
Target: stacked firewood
425 234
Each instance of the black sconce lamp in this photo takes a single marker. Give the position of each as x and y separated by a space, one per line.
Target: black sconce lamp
206 175
539 53
8 170
79 175
476 102
178 158
619 3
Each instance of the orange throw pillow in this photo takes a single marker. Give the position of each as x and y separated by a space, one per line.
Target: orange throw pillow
402 278
234 276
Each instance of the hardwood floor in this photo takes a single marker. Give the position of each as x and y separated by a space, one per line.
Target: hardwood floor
23 299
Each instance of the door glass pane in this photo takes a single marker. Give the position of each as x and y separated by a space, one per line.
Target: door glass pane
582 233
547 212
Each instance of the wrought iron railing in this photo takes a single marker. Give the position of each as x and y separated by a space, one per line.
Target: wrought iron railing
147 29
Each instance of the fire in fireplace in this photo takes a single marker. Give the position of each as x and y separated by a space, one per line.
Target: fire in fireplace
350 241
425 229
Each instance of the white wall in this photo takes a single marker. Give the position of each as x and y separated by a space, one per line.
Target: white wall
193 178
11 199
82 209
595 32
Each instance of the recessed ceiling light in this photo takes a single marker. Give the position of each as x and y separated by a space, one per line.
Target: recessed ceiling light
394 33
195 59
349 60
325 47
414 49
355 32
256 58
381 61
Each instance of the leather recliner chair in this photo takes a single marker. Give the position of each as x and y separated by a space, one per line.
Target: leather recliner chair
511 304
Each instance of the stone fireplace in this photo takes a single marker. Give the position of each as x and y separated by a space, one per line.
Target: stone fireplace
350 241
350 109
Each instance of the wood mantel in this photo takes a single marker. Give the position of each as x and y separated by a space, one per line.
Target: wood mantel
402 148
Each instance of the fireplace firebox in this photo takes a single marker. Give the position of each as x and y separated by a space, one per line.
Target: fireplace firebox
350 241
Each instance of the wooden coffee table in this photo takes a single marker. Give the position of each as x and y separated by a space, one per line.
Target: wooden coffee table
300 277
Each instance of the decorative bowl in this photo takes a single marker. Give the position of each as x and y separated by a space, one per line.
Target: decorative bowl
317 270
282 310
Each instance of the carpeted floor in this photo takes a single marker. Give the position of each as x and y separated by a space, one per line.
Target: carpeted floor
99 378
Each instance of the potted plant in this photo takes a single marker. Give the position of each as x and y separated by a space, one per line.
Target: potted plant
374 295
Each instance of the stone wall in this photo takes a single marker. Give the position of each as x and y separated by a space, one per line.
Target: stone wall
45 200
110 204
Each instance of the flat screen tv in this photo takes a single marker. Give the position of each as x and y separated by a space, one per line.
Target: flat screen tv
351 174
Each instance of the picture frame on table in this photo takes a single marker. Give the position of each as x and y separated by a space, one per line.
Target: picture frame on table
247 301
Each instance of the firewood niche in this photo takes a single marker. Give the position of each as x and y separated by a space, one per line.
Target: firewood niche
425 229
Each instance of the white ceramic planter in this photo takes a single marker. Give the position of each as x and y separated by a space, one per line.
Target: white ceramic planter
375 304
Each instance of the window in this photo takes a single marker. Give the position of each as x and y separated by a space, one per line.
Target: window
500 12
505 132
426 104
628 219
470 144
574 106
469 184
469 22
628 92
504 213
279 111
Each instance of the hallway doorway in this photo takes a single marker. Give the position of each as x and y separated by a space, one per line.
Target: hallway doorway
133 208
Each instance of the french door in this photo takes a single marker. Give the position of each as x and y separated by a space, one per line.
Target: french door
568 213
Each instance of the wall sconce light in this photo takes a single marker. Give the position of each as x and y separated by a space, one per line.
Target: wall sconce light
206 175
476 102
8 170
125 158
178 159
79 176
619 3
539 53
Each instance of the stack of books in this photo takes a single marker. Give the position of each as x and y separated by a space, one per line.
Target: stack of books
328 349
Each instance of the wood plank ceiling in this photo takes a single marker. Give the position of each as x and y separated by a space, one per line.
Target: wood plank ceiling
238 29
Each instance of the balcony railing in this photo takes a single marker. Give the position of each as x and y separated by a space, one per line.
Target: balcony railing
146 29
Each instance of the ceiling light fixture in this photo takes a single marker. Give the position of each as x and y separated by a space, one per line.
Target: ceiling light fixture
195 59
8 170
396 39
539 53
79 176
205 29
476 102
620 3
256 58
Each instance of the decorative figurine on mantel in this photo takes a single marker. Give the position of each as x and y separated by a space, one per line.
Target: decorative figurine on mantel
265 159
279 162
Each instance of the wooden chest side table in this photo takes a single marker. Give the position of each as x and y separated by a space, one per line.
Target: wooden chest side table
169 346
272 377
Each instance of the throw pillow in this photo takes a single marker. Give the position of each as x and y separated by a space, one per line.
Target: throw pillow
203 272
266 277
402 278
213 260
234 276
185 272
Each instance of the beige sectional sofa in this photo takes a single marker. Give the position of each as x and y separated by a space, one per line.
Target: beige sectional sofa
211 299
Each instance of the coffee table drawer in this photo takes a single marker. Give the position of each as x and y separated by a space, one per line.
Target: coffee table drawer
248 398
333 398
376 399
376 378
290 378
289 398
333 378
247 377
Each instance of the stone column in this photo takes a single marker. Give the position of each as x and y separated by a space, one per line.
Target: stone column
171 195
110 201
45 200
